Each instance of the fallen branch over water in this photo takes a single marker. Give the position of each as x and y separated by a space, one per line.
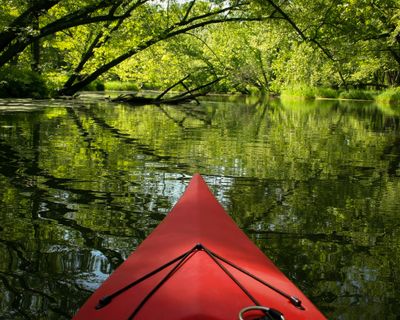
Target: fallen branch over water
187 96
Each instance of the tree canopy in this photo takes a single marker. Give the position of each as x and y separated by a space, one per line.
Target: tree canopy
256 45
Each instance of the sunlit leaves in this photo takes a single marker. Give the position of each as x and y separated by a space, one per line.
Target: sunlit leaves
330 43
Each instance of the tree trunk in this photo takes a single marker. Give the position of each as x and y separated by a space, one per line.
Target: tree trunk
35 46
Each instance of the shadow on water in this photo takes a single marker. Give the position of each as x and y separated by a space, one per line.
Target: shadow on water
315 185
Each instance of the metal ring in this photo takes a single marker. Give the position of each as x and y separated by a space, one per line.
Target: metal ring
260 308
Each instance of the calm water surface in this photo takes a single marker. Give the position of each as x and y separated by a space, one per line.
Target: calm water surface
315 185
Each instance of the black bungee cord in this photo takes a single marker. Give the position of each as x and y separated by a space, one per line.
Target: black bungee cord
270 313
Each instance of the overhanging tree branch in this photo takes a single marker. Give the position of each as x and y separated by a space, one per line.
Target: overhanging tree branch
100 40
299 31
304 37
24 20
191 4
167 34
78 21
77 18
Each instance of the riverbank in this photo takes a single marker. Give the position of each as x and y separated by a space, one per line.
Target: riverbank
29 84
389 96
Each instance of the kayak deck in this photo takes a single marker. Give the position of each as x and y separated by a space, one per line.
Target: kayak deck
197 264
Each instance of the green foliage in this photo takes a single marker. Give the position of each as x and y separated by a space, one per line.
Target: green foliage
300 63
389 96
55 79
303 92
356 95
326 93
22 83
313 43
96 85
121 86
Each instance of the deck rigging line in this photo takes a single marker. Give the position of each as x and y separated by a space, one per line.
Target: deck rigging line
179 261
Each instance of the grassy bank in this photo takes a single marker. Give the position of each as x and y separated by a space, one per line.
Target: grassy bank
121 86
21 83
357 95
99 85
298 93
389 96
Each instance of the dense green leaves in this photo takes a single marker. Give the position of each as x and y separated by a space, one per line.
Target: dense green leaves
21 83
258 45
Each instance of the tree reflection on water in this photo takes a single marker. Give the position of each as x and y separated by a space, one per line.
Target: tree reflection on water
315 185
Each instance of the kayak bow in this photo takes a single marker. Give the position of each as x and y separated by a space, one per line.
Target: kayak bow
197 265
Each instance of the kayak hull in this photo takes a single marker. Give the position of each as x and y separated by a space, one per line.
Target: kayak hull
199 285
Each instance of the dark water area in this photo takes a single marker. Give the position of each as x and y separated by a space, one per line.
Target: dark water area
315 185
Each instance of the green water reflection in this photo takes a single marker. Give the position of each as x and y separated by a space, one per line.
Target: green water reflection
315 185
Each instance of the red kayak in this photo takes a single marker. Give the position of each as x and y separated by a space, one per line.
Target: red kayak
197 265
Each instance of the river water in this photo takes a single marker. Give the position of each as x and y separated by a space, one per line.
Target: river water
314 184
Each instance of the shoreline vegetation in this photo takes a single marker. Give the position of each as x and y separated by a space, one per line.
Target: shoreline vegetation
298 50
390 96
33 86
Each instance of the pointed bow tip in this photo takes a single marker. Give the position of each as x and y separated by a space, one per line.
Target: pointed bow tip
197 184
197 179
